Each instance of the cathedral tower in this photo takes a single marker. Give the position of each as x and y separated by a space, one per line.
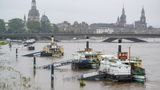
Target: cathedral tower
33 14
122 21
141 24
143 17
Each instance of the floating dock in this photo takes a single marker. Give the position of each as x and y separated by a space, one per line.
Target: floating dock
105 76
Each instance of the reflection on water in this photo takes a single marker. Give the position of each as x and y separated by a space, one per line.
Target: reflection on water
64 77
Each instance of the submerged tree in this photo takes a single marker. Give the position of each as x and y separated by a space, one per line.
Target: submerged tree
2 26
16 26
45 25
33 26
55 28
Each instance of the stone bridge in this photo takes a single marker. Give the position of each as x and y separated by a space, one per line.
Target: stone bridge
111 37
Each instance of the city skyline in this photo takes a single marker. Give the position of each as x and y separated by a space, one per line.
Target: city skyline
90 11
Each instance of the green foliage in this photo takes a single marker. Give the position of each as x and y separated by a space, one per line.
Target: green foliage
16 26
55 28
33 26
2 26
46 27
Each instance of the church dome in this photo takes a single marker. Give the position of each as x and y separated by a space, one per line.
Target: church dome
44 18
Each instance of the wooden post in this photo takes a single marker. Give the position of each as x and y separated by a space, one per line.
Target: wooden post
16 52
129 54
52 76
10 44
34 65
34 62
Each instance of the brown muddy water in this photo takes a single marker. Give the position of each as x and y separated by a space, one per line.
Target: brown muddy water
17 73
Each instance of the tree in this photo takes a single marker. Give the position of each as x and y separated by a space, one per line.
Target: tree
2 26
33 26
46 27
55 28
16 26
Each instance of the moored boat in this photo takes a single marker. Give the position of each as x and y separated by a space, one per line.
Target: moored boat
139 78
120 67
114 69
29 42
137 70
86 59
31 47
53 49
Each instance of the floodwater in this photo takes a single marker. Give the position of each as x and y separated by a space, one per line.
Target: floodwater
64 77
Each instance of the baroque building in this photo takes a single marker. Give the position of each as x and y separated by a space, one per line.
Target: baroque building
121 21
33 14
121 26
141 24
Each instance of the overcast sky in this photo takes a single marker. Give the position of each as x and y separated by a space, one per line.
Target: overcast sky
90 11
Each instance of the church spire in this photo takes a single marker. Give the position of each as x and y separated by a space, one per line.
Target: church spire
143 17
122 20
33 4
123 11
143 12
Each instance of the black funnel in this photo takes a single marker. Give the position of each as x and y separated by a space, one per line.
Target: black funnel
87 43
119 46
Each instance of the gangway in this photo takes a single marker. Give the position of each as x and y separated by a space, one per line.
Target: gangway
33 54
96 75
56 64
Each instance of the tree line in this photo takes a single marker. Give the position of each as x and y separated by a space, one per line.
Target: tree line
18 25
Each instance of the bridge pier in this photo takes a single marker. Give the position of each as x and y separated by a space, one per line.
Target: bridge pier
130 39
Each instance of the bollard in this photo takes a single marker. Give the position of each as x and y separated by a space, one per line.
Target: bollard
52 75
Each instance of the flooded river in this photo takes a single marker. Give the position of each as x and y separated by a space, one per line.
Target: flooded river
17 73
